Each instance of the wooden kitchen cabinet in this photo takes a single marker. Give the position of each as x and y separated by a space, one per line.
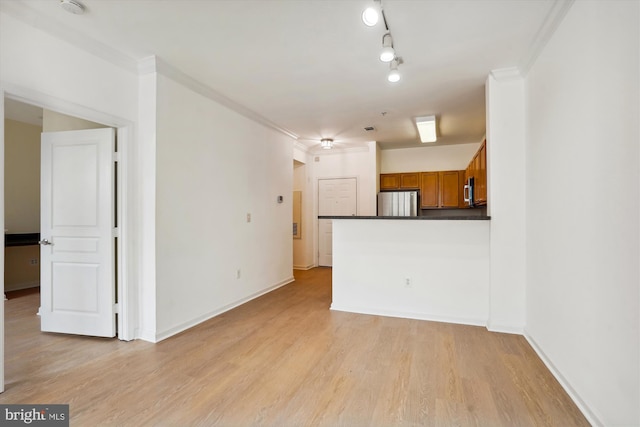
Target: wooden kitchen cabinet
389 181
429 190
481 186
400 181
478 170
410 181
441 189
449 189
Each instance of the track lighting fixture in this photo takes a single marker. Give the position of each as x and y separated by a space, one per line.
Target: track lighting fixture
387 54
326 143
394 75
370 17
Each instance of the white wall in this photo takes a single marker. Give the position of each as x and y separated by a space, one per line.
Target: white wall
506 201
214 167
434 158
22 177
582 177
359 163
447 263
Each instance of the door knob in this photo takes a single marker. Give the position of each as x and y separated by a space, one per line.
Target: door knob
45 242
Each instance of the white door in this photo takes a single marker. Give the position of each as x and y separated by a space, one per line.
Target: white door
77 228
336 197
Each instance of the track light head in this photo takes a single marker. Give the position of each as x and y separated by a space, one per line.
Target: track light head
370 16
388 53
394 75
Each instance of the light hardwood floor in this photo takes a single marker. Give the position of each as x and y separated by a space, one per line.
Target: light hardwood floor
285 359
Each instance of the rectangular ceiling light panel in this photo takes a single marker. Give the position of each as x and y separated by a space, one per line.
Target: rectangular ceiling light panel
427 128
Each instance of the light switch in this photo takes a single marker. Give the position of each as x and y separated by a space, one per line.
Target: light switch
248 217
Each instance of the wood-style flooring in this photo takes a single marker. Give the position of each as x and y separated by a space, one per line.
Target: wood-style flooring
285 359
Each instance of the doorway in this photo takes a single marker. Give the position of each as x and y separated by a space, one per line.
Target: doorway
336 197
126 309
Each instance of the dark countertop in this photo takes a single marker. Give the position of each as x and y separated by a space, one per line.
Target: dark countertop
413 218
24 239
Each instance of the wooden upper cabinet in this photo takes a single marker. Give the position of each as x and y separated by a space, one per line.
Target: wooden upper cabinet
400 181
389 181
429 190
478 170
449 189
481 184
410 181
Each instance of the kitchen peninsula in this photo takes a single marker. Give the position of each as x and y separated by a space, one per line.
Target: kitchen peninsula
430 268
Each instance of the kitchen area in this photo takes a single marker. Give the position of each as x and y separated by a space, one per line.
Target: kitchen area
425 254
451 193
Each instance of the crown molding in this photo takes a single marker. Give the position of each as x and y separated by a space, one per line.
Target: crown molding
54 28
300 146
506 74
145 66
179 76
547 29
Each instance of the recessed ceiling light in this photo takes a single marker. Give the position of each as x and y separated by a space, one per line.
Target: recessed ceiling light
72 6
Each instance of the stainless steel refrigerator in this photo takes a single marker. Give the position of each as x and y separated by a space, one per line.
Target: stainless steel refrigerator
398 203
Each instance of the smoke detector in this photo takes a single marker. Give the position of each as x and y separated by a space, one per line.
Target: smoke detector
72 6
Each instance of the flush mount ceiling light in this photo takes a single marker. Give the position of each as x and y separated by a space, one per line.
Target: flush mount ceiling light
427 128
387 54
394 75
72 6
326 143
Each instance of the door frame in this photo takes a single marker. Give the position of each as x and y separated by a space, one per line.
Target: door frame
126 289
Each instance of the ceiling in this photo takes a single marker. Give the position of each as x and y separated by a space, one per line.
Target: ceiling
311 67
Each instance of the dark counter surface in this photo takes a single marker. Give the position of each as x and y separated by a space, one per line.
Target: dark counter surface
24 239
415 218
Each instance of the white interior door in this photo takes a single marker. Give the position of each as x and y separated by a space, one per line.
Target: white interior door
336 197
77 229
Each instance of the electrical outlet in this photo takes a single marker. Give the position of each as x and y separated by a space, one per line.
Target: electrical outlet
248 217
407 282
33 261
237 273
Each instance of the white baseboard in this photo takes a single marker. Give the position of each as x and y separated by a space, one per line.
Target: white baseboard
300 267
505 329
584 408
203 318
145 335
409 315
